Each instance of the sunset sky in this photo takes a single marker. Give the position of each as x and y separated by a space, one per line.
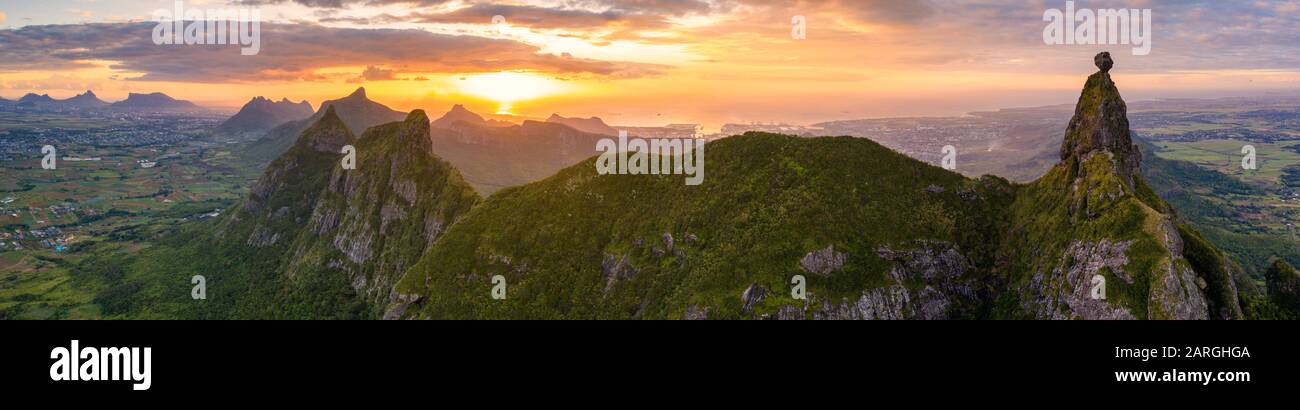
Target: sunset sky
650 62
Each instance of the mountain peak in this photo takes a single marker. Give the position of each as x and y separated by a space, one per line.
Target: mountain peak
328 134
593 125
417 116
458 113
359 93
1100 122
1103 61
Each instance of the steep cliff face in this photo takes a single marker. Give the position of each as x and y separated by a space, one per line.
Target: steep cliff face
282 199
1092 223
1100 123
372 223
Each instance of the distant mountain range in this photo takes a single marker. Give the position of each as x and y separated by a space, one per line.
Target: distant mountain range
593 125
491 154
89 101
459 114
153 101
356 111
261 115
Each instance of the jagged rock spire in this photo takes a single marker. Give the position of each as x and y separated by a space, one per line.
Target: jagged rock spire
1100 123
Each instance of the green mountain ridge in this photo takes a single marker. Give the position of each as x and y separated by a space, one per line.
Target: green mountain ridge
870 232
875 234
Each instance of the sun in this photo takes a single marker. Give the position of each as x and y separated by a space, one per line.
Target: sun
509 87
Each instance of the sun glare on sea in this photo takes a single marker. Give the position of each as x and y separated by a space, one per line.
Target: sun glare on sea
509 87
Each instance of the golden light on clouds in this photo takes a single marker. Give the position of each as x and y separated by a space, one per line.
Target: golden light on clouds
679 61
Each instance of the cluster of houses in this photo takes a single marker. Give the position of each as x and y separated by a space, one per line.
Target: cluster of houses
45 238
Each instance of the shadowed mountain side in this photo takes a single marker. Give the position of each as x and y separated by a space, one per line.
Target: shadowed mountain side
356 111
493 157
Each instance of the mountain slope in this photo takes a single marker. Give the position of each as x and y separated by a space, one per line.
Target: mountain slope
261 114
1093 215
580 245
876 234
312 240
372 223
84 100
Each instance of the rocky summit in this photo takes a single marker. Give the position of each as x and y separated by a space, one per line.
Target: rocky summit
1100 124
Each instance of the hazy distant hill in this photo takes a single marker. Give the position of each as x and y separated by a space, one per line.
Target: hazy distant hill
592 125
495 157
85 100
36 100
261 114
459 114
153 102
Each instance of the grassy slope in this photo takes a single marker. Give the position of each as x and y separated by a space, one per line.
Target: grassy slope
1175 181
766 201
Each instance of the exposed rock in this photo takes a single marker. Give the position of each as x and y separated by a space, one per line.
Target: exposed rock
262 237
694 312
280 213
432 230
389 213
941 269
1103 61
407 190
356 248
1180 294
324 220
615 269
1066 293
399 306
1100 122
790 312
935 189
753 295
668 241
824 262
